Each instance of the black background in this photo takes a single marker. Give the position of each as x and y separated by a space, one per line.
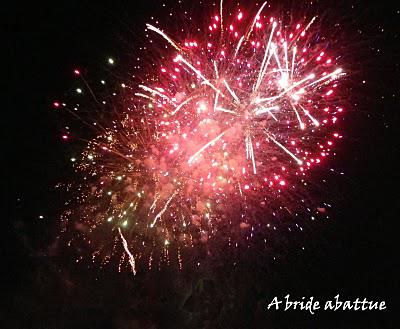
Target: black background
354 255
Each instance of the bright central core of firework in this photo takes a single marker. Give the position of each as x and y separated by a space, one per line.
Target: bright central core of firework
230 122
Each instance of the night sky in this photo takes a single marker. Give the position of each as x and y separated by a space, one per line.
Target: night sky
355 254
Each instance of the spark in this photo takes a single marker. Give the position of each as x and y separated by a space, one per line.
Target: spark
250 151
286 150
158 216
239 45
231 92
181 105
193 157
224 110
284 92
255 19
302 126
265 61
179 58
263 110
158 31
155 92
131 258
306 112
293 61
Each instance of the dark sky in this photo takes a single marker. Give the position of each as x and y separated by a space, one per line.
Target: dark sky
355 255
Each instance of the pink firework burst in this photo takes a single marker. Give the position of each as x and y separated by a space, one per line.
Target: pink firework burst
230 122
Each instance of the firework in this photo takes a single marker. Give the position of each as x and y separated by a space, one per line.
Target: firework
212 143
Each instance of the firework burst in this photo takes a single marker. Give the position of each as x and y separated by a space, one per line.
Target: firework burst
215 142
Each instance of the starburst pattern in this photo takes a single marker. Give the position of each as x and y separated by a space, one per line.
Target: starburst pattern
216 140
